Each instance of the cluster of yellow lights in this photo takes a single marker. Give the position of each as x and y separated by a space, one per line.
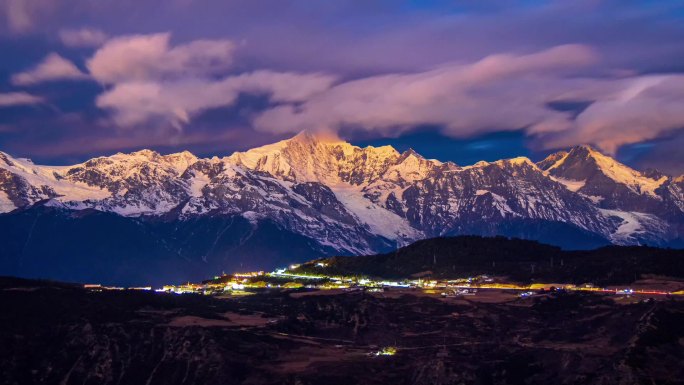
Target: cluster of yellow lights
238 282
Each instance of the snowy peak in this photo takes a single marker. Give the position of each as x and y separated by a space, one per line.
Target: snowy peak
136 165
5 160
139 182
410 153
585 164
510 164
184 157
578 163
345 196
572 168
303 158
551 160
144 153
409 167
315 138
518 161
179 161
318 158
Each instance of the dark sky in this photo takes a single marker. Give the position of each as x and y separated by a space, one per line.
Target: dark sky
455 80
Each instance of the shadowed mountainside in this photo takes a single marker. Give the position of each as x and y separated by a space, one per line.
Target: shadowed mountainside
521 260
308 197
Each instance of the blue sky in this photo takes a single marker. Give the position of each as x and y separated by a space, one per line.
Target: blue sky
462 81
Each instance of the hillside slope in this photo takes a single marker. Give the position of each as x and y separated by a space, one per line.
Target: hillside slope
520 260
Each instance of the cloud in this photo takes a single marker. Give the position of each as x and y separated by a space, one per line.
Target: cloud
18 98
149 80
372 43
18 14
24 16
353 37
53 67
148 57
665 155
625 111
498 92
82 38
175 102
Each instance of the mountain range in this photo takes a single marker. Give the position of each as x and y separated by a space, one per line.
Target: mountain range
146 217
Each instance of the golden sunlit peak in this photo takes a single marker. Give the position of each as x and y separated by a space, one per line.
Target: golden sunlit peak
325 136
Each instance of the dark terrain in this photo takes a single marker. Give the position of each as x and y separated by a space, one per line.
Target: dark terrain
62 334
519 260
102 247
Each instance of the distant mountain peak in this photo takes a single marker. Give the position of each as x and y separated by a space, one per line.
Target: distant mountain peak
584 148
316 136
551 160
410 152
594 170
144 153
348 197
518 161
5 158
184 154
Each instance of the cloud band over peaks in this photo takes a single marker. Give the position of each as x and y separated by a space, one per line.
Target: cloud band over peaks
499 93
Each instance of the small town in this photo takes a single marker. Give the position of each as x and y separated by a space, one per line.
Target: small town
249 283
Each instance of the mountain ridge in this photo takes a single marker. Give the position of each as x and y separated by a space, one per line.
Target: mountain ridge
519 260
344 199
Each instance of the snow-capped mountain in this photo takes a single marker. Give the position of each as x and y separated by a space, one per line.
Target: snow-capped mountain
333 197
646 205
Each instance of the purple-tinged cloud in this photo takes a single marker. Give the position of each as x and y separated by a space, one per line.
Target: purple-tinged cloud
625 111
11 99
82 38
150 81
52 68
20 14
149 57
499 92
175 102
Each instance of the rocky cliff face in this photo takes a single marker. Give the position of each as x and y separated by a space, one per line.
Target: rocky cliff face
349 200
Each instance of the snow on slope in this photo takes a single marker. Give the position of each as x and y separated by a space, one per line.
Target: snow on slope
582 156
633 224
197 183
50 176
342 167
411 167
6 204
380 220
572 185
627 176
399 196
